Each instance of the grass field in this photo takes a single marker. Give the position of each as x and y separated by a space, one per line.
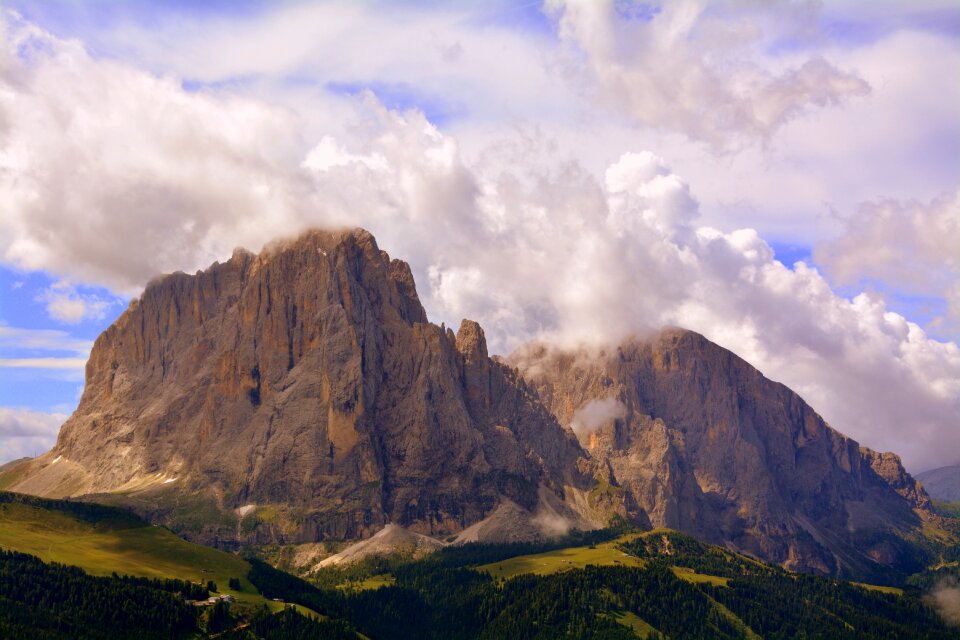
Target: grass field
123 546
690 575
373 582
10 473
635 623
875 587
603 554
562 560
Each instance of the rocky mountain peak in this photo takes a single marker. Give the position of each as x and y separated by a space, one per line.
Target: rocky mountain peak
702 442
301 394
305 379
471 342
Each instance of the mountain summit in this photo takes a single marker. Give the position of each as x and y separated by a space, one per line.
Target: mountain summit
307 385
686 435
301 395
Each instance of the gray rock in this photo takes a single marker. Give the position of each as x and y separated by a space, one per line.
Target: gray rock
307 378
707 445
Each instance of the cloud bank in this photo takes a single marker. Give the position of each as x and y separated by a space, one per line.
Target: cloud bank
25 433
138 176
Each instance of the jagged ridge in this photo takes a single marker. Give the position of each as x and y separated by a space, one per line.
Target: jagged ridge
302 395
707 445
306 377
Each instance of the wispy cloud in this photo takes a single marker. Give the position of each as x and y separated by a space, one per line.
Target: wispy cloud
32 349
43 363
43 340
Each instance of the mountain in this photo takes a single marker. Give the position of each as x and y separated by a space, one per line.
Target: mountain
943 483
301 395
686 435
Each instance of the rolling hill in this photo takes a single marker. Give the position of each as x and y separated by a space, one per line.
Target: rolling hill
103 540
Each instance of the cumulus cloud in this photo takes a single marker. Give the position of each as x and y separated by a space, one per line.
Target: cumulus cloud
111 175
66 304
697 68
911 246
596 413
26 433
96 150
550 251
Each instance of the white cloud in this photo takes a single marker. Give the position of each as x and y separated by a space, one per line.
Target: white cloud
43 363
97 150
699 69
66 304
595 413
541 250
43 340
27 433
910 246
111 175
945 598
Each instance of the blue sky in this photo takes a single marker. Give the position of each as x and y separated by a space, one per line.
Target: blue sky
636 163
24 307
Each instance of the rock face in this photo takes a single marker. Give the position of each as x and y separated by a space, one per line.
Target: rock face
301 395
691 437
391 539
943 483
308 378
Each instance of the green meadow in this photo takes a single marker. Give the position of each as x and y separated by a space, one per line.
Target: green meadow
561 560
603 554
119 544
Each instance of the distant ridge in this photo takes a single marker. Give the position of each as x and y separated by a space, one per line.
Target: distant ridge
943 483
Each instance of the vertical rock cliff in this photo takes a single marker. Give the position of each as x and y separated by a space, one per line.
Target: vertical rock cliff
704 443
301 395
306 382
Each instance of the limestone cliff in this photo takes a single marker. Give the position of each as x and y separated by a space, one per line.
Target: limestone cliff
299 395
706 444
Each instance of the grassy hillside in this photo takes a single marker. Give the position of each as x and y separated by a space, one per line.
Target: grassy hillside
102 540
609 584
603 554
11 471
51 601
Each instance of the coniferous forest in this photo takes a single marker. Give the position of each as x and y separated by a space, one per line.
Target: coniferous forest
676 587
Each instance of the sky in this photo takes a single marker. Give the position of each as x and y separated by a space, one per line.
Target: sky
783 177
